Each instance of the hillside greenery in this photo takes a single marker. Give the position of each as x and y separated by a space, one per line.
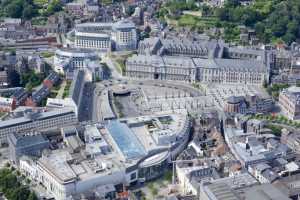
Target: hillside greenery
273 20
27 9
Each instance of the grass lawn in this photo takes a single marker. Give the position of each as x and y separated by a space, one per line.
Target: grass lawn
276 130
197 22
187 20
120 60
278 119
39 21
168 176
106 2
121 63
40 2
47 54
193 13
67 89
52 94
2 114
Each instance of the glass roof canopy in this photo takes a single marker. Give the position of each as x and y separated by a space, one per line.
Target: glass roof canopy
126 140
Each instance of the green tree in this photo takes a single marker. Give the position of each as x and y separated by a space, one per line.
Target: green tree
272 19
222 14
54 6
32 196
19 193
14 9
289 37
232 3
28 11
8 181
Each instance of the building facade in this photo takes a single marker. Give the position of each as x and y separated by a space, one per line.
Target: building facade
116 153
289 102
161 68
103 37
99 41
71 59
7 104
37 121
229 71
124 35
29 145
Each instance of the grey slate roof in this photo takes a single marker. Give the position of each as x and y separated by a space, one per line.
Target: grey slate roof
247 65
21 141
76 86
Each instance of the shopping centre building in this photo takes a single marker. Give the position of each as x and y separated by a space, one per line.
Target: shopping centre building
119 152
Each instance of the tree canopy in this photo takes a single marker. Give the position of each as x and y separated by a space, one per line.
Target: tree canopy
271 19
28 9
54 6
18 9
10 185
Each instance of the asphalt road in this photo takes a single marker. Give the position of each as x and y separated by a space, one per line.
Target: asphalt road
113 68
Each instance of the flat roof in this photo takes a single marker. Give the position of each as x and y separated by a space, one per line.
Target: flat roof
221 63
265 192
221 191
56 163
93 24
76 52
38 116
94 35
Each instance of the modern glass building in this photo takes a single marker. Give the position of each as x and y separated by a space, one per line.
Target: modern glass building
126 140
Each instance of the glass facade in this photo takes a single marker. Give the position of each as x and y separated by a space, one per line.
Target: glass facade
153 171
126 140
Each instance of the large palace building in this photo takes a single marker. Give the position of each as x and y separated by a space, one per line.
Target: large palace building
217 70
204 61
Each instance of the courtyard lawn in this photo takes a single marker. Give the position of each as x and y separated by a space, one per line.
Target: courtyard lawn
196 22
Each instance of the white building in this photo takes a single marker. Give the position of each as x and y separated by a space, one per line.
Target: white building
119 152
190 174
124 35
289 102
61 103
7 104
99 41
37 121
106 36
95 143
71 59
62 175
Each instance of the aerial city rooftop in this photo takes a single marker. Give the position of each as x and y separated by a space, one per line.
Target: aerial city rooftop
149 99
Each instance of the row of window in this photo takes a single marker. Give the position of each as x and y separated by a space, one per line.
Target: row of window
93 43
48 123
